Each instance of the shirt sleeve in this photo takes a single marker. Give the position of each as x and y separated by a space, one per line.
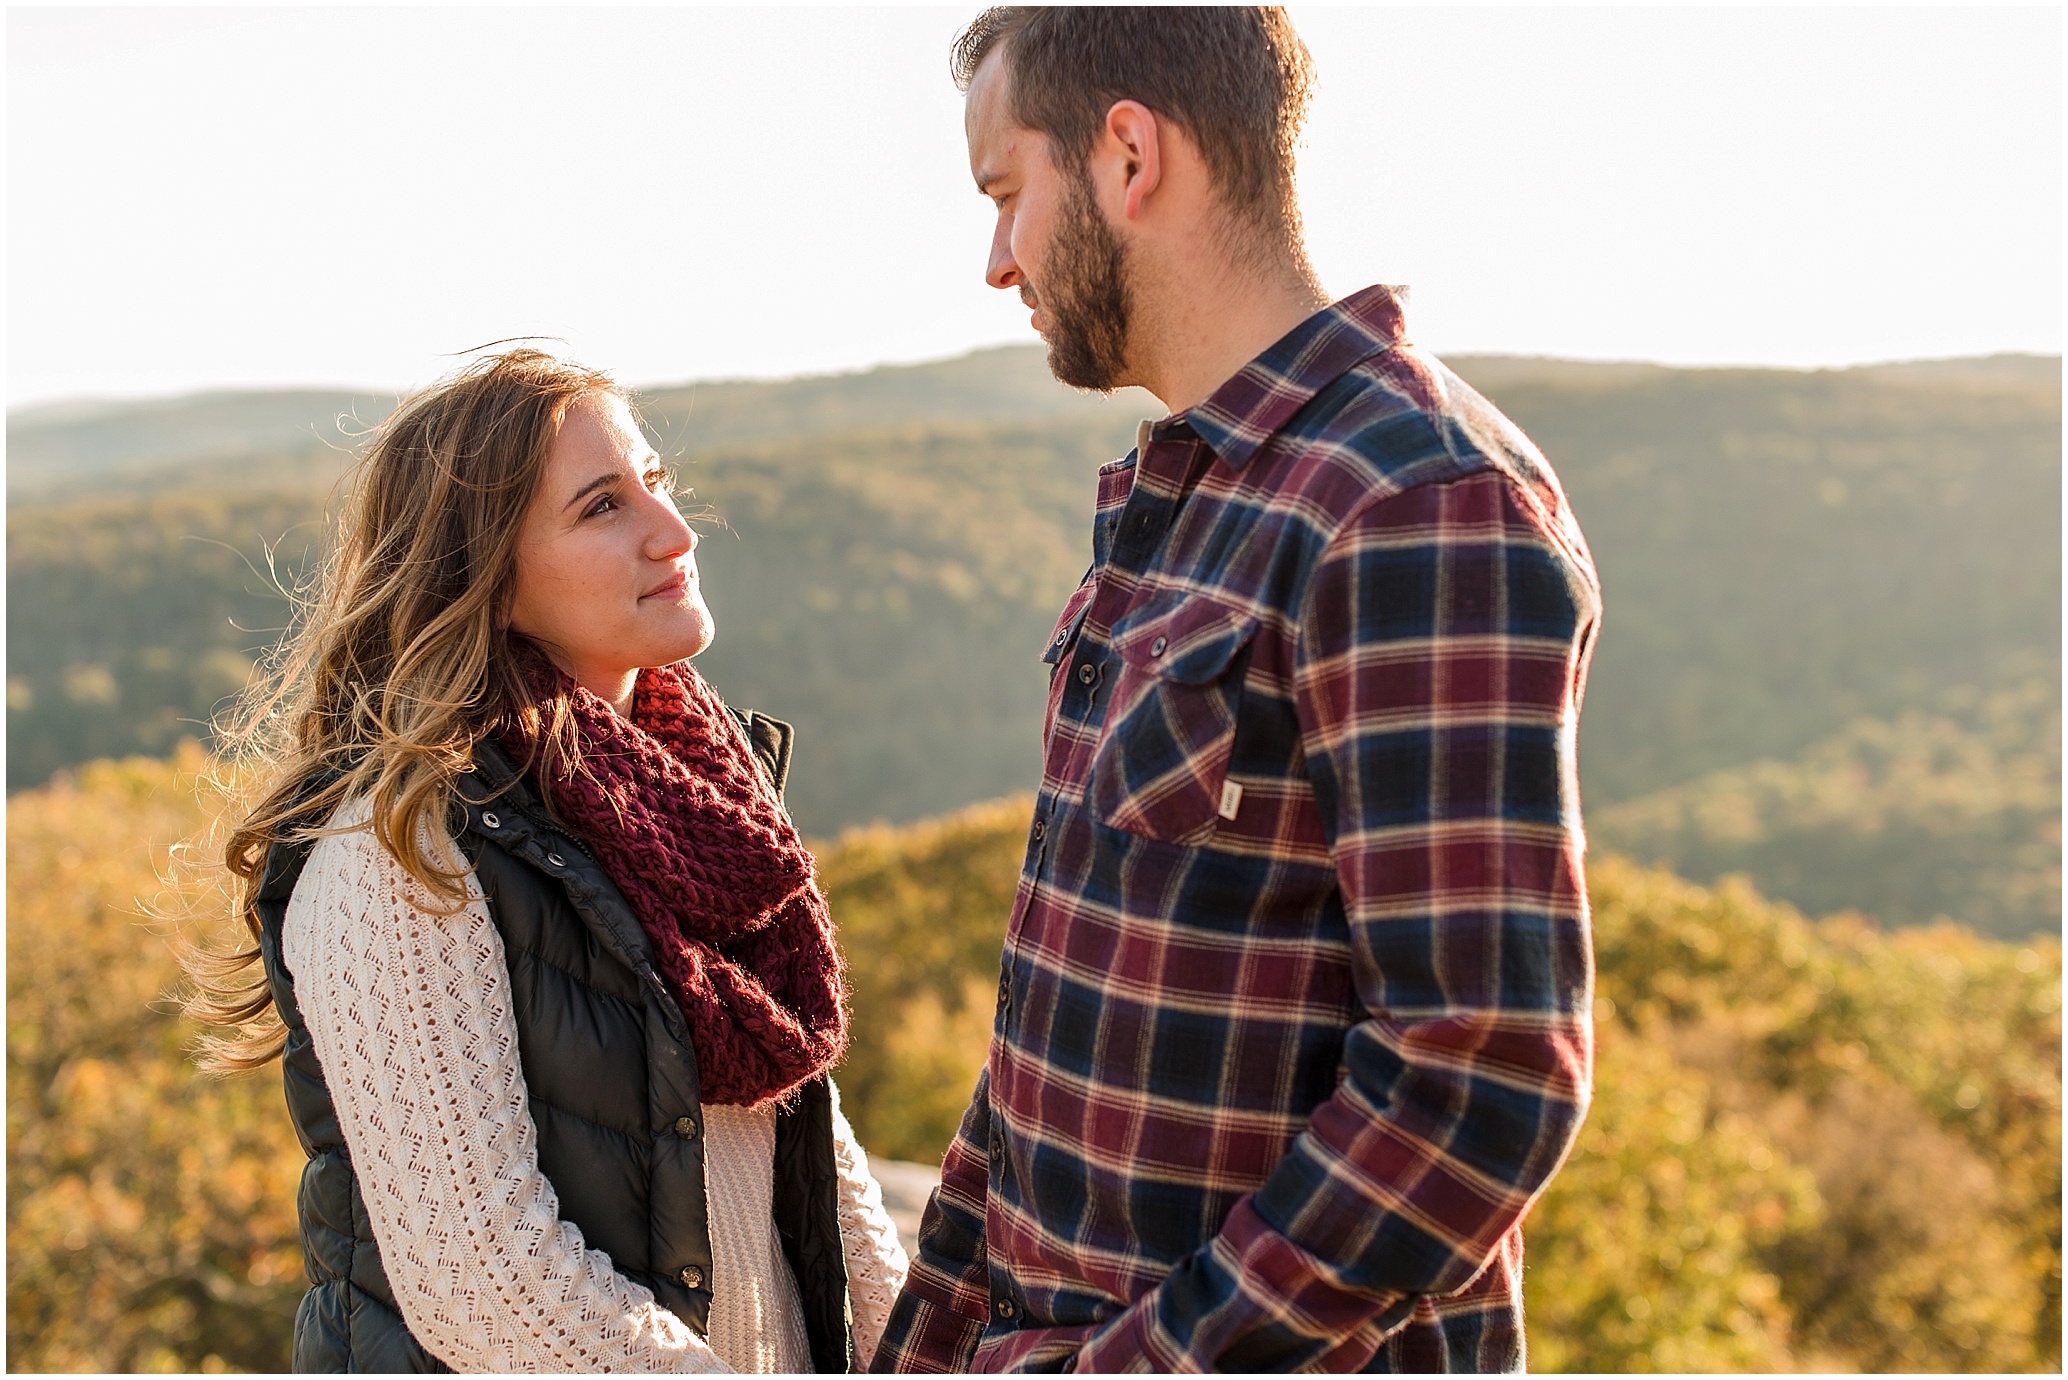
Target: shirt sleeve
411 1017
941 1312
876 1263
1442 648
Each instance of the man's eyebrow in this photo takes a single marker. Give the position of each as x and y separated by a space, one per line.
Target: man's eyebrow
986 178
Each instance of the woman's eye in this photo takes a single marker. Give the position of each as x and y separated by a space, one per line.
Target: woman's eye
602 505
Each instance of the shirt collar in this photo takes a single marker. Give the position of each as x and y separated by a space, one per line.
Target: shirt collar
1249 408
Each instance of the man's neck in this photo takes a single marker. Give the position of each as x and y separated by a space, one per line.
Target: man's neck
1196 327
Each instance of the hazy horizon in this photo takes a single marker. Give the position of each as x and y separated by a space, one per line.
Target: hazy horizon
93 400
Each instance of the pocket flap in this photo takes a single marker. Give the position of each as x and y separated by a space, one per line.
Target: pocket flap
1072 618
1179 636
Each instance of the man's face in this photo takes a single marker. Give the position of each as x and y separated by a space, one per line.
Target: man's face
1051 242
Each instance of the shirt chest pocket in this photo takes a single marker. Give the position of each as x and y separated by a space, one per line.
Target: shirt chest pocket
1161 769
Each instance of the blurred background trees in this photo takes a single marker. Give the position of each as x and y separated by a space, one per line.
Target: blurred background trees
1813 1145
150 1212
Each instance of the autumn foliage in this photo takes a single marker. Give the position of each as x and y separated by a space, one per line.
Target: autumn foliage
1813 1145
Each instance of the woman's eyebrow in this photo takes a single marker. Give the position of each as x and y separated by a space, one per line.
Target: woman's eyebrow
600 481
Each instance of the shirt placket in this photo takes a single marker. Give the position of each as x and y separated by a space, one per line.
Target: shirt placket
1166 468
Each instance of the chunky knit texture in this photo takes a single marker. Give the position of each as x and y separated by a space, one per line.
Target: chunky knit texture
412 1018
675 807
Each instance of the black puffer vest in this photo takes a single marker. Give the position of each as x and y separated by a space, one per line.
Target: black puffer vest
612 1078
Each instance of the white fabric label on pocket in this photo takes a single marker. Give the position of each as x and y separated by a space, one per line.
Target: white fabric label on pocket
1231 799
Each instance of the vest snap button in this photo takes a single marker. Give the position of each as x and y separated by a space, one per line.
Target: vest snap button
693 1277
686 1127
554 860
491 821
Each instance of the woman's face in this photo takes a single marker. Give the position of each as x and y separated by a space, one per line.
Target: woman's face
606 579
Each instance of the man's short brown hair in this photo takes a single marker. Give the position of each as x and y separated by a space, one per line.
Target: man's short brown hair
1237 80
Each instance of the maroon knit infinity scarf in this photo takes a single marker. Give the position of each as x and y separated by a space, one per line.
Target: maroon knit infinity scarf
676 809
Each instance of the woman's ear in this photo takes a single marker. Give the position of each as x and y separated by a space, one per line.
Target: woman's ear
505 600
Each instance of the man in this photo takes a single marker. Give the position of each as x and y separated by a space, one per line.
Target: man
1293 1023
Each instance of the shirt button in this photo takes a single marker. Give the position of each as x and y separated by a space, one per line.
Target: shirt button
1004 993
686 1127
1156 647
1087 673
1005 1308
692 1277
1040 829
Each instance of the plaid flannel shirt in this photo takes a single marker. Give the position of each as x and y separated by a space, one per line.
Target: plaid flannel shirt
1294 1017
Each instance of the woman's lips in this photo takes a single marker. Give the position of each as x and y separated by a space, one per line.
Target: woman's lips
676 586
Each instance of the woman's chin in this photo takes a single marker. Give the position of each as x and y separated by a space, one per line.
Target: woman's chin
696 632
685 632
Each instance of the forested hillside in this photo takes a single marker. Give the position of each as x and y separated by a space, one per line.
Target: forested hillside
1813 1146
1949 811
1794 563
1784 552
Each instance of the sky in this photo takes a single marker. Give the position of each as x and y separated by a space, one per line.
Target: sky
257 196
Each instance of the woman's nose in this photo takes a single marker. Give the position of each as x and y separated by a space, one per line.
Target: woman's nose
672 533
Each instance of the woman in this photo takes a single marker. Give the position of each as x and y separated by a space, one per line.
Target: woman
556 992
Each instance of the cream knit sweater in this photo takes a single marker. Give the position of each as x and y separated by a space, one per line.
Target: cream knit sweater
411 1017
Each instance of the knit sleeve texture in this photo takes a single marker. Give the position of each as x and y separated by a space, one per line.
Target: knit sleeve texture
411 1016
876 1262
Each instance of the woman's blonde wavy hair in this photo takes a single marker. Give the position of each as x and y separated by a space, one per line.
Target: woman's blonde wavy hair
398 664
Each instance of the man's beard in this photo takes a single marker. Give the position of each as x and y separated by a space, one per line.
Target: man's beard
1084 294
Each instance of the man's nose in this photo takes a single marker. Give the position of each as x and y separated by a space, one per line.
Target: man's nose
1003 271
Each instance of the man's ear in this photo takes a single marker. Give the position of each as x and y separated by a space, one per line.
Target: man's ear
1132 133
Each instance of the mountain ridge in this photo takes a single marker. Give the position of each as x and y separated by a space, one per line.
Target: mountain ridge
69 443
